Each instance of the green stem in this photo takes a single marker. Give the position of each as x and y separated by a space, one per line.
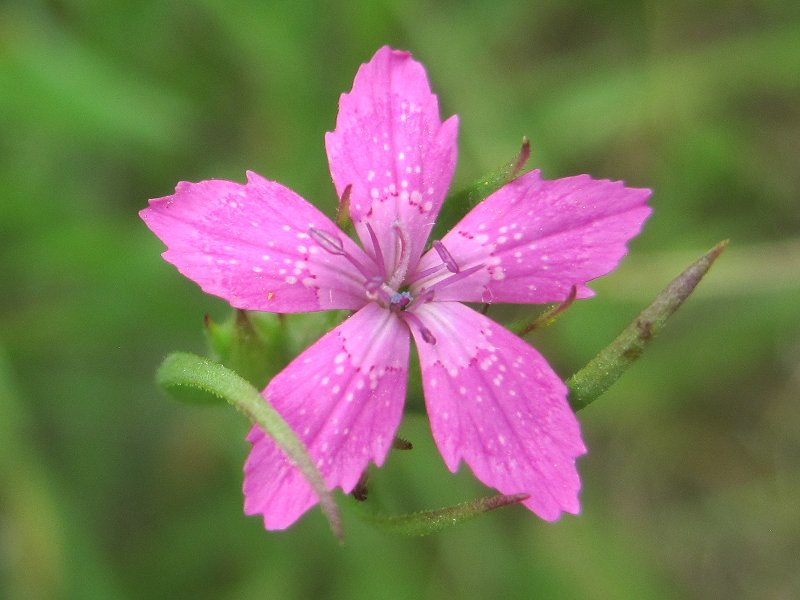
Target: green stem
181 370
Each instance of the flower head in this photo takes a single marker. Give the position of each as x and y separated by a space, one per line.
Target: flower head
493 401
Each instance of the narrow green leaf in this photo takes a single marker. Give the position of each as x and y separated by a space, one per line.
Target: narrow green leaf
603 370
181 371
433 521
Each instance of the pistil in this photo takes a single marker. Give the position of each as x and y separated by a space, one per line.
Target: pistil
404 256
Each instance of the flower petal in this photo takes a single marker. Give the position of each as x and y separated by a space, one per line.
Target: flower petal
344 398
249 244
391 146
494 402
538 238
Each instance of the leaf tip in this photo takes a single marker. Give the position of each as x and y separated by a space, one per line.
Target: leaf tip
714 253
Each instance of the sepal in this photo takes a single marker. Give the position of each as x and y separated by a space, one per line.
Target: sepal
256 351
459 203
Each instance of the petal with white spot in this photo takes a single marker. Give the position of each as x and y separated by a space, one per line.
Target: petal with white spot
494 402
392 148
344 398
536 239
249 244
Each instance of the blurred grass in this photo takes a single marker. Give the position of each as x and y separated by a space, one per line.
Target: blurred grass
108 490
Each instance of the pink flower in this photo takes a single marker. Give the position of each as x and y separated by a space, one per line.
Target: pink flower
492 400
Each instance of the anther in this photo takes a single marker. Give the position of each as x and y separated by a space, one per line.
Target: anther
446 257
427 336
329 242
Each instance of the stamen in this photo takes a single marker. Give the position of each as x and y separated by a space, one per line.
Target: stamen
426 294
427 335
332 244
376 247
457 277
425 273
329 242
414 320
447 261
446 257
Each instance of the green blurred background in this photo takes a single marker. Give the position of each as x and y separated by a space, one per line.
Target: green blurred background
110 490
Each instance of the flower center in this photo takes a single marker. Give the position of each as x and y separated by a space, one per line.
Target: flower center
386 286
382 285
400 300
